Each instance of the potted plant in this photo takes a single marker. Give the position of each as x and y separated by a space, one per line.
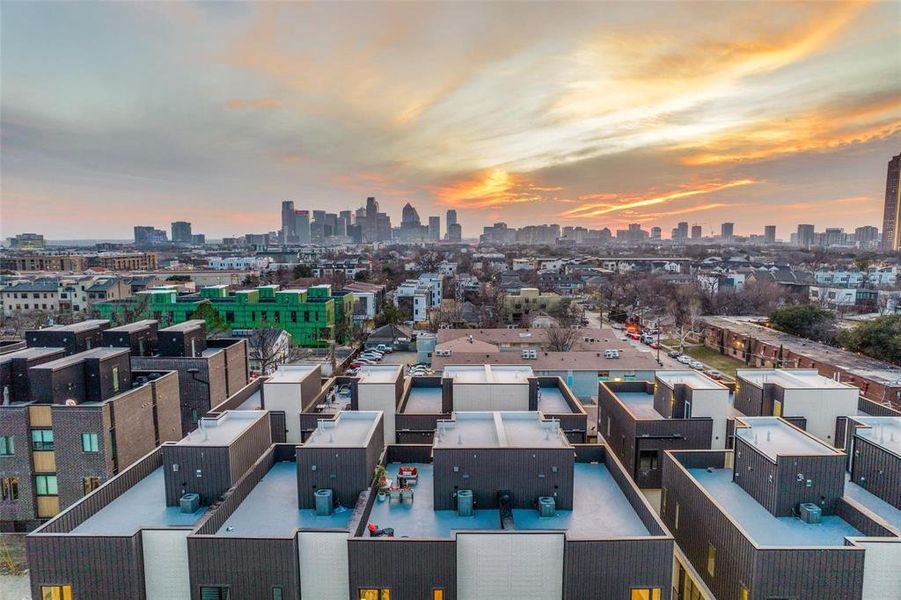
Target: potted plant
380 480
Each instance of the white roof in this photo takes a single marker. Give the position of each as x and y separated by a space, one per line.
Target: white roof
882 431
509 429
221 430
348 429
292 373
488 373
379 373
791 378
774 437
691 378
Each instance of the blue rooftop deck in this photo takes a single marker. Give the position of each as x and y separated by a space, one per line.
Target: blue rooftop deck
424 401
270 509
141 507
552 402
875 504
600 511
762 527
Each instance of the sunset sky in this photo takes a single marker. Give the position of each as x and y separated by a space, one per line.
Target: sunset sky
592 114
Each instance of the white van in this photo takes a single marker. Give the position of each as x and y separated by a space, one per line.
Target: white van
611 353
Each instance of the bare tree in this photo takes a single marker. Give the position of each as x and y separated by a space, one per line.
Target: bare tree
561 339
268 348
684 310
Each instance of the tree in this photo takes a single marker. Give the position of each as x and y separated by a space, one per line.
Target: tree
389 315
214 321
128 312
683 307
879 338
361 276
805 320
560 339
251 281
302 271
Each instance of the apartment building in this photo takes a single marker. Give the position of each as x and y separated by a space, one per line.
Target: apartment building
501 505
773 519
68 423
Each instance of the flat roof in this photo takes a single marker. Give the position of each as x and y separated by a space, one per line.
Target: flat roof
352 428
184 326
270 509
379 373
85 325
760 525
143 506
689 377
223 429
885 432
134 326
29 353
552 402
808 379
639 404
600 510
509 429
424 400
875 504
254 402
774 437
488 373
72 359
291 374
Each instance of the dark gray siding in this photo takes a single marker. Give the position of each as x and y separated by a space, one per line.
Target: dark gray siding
343 470
608 569
410 568
250 567
877 470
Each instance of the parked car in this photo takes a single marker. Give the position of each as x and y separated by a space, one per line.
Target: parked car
696 365
674 354
684 359
654 345
384 348
372 351
374 355
715 375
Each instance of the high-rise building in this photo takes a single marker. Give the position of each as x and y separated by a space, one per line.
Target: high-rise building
697 232
454 232
805 236
409 215
374 226
656 233
866 235
288 233
769 234
435 229
181 232
451 216
891 220
727 231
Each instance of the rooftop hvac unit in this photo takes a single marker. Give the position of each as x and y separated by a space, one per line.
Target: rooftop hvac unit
323 502
810 512
547 506
189 503
464 503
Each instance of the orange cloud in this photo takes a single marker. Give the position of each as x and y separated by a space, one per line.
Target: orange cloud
627 202
238 103
491 189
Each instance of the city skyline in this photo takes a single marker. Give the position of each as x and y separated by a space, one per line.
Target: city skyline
216 113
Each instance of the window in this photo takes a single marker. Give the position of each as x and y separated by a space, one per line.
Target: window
45 485
263 315
278 593
89 442
56 592
90 484
663 500
193 415
230 316
210 592
42 439
437 593
116 379
647 460
294 316
7 445
676 519
375 594
711 560
9 489
646 594
743 593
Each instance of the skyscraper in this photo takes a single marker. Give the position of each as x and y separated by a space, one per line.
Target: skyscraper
727 231
288 233
181 232
697 232
454 229
435 229
451 217
656 233
866 234
769 234
681 231
891 219
805 235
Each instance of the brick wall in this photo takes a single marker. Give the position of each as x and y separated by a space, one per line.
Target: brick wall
72 463
14 422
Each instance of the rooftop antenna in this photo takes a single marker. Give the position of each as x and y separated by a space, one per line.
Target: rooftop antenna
459 439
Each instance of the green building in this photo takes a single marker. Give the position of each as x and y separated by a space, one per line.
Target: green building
311 316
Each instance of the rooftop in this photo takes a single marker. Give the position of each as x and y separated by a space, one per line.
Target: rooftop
424 400
270 509
874 504
291 373
86 325
791 378
72 359
379 373
347 429
600 510
691 378
640 404
488 373
185 326
476 429
885 432
135 326
221 430
143 506
773 437
760 525
552 402
29 354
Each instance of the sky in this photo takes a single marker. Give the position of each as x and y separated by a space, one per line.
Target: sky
586 114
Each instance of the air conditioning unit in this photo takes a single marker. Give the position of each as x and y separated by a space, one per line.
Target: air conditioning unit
442 352
189 503
810 512
529 354
547 506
